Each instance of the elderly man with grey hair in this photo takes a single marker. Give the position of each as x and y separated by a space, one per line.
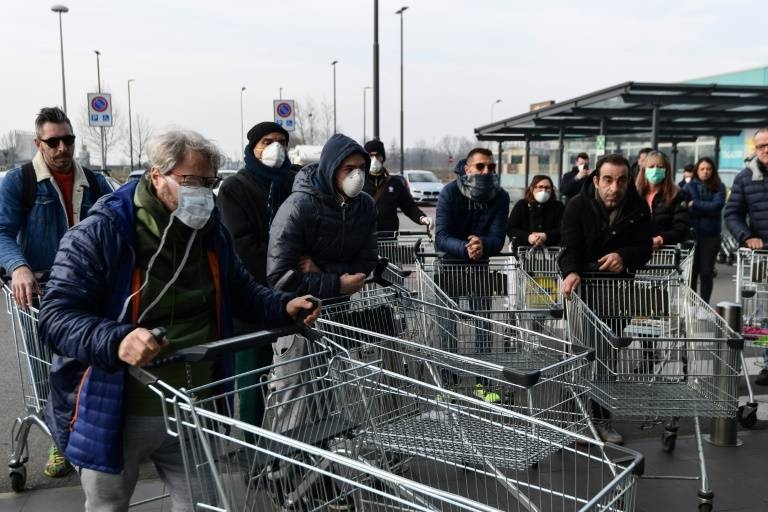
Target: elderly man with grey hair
152 254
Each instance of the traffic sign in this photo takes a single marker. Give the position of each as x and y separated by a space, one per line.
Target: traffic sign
99 109
285 114
600 145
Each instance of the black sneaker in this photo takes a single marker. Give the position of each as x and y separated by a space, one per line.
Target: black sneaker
762 378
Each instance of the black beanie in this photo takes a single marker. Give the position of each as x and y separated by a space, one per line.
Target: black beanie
376 146
260 130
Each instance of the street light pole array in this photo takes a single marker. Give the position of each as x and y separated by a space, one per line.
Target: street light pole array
365 105
376 69
493 105
130 124
334 94
242 128
402 138
61 9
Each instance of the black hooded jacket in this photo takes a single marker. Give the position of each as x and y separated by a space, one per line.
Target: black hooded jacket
395 194
586 234
313 222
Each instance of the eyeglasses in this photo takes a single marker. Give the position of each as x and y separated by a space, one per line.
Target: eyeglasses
193 180
53 142
542 187
480 166
762 147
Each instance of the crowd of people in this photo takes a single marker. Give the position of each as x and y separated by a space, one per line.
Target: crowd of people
164 251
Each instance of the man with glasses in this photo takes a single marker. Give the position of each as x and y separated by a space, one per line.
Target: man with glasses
749 200
470 227
153 254
39 201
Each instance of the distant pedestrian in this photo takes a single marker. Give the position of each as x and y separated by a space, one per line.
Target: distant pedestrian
535 219
669 214
705 196
390 192
639 162
576 177
689 172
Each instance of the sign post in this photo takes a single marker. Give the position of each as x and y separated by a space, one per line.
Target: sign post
285 114
99 109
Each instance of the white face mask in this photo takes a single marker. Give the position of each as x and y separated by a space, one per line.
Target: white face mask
581 167
353 183
273 155
541 196
195 205
376 166
687 179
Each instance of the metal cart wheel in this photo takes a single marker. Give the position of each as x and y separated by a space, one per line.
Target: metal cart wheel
18 478
748 415
668 440
705 507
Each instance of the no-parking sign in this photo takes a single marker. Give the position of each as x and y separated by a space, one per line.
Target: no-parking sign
99 109
285 114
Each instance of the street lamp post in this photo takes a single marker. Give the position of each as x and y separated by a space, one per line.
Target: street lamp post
101 128
365 105
376 69
280 93
493 105
311 129
242 128
402 140
61 9
334 94
130 124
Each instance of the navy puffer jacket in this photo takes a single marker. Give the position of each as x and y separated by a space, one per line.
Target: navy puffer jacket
749 198
705 213
338 236
80 318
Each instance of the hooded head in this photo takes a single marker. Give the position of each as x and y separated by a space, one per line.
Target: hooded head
338 148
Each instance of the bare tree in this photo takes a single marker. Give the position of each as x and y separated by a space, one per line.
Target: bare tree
113 135
326 118
142 131
307 121
8 149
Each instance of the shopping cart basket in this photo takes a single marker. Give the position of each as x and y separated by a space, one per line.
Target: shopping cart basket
671 260
401 247
460 453
661 351
541 264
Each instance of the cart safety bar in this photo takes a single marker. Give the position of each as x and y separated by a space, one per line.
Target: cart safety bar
391 235
736 343
748 293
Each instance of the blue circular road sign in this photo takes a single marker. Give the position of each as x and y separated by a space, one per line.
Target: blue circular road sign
284 109
99 103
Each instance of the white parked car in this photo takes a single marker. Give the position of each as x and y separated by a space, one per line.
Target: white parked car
425 186
224 174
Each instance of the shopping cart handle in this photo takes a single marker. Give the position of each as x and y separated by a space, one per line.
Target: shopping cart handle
736 343
522 378
581 349
557 312
621 341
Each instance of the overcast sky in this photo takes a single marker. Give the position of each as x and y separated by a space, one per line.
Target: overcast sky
189 59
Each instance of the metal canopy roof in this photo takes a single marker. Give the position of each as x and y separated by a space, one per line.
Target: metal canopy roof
670 112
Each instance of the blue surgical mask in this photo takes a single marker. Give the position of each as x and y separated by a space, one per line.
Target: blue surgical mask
655 175
479 187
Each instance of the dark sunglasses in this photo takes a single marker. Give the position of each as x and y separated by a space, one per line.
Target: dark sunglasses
481 167
53 142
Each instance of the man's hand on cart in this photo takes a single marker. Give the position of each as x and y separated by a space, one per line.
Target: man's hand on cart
611 262
754 243
570 283
140 347
305 308
658 241
24 286
351 283
474 247
426 221
537 238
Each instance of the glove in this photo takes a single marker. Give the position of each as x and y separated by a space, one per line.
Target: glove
426 221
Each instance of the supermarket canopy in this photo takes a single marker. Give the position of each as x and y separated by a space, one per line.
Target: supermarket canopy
668 112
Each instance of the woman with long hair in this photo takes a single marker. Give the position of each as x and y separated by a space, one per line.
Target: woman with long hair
535 219
705 195
669 214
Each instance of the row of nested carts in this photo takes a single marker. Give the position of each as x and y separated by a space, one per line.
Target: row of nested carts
446 386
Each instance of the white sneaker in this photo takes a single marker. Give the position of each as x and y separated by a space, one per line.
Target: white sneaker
608 433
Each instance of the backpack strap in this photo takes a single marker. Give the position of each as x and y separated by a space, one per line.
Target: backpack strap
377 195
28 188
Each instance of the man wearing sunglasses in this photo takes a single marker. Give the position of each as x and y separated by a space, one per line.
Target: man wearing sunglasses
38 203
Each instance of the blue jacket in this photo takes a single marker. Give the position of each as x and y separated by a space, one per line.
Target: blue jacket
749 198
705 216
457 217
80 319
33 241
340 238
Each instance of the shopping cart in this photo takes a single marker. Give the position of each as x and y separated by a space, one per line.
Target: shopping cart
358 422
661 351
34 361
671 260
401 247
541 264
